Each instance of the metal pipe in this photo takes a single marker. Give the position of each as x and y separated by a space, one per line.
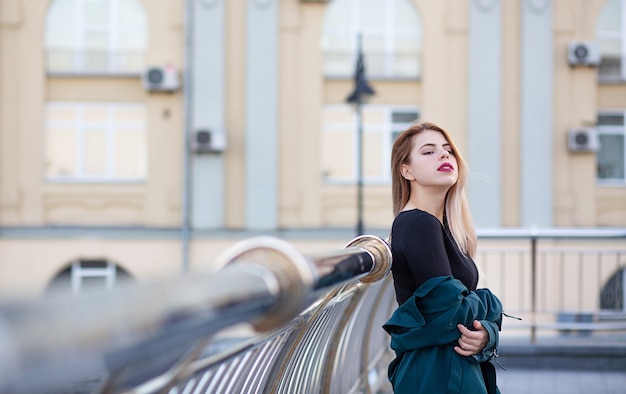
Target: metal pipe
366 258
138 331
551 232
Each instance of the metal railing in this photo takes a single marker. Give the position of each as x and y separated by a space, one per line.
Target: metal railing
379 64
611 69
272 320
85 62
316 326
561 280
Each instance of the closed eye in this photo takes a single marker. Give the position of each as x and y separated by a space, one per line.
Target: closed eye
429 149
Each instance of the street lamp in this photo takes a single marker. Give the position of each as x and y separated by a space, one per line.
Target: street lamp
362 89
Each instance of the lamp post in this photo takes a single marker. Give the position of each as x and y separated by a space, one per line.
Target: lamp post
362 89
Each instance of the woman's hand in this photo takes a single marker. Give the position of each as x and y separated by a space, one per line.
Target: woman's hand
472 342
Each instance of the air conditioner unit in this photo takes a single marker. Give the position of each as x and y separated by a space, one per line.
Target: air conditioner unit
583 140
208 141
583 54
160 79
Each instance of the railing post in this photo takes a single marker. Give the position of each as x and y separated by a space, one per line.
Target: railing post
623 286
533 288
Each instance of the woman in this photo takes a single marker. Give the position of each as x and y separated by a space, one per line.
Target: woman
444 331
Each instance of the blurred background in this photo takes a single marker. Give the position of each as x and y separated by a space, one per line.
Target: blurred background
141 138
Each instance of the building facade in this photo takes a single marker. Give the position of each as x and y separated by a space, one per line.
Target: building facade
141 138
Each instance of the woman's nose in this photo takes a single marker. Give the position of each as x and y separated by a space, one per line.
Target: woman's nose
444 154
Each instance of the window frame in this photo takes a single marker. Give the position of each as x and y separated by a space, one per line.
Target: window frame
81 128
387 130
78 273
612 130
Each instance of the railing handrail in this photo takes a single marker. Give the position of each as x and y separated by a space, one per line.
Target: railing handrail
150 333
551 232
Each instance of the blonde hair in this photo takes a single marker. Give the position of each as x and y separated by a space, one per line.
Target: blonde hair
457 212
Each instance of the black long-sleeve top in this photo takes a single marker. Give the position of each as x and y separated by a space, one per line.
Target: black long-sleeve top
423 248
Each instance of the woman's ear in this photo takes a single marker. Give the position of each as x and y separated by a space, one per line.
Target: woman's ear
406 173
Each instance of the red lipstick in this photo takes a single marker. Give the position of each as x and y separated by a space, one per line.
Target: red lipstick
446 167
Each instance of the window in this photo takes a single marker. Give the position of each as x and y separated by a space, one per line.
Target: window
611 36
88 275
391 38
381 126
610 158
95 37
95 142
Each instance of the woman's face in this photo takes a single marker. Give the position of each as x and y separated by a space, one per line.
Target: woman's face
431 162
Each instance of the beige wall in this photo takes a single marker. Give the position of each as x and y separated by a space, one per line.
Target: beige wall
26 199
300 103
304 200
574 174
28 266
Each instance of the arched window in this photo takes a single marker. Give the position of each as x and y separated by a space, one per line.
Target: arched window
88 275
95 37
391 34
611 35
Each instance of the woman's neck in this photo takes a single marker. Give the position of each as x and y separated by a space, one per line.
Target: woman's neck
433 203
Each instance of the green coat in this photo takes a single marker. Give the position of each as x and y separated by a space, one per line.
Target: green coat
424 332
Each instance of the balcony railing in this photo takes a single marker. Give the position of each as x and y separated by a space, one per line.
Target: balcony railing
81 62
610 69
379 65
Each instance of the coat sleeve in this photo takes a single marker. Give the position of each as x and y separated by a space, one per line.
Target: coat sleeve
429 317
494 338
